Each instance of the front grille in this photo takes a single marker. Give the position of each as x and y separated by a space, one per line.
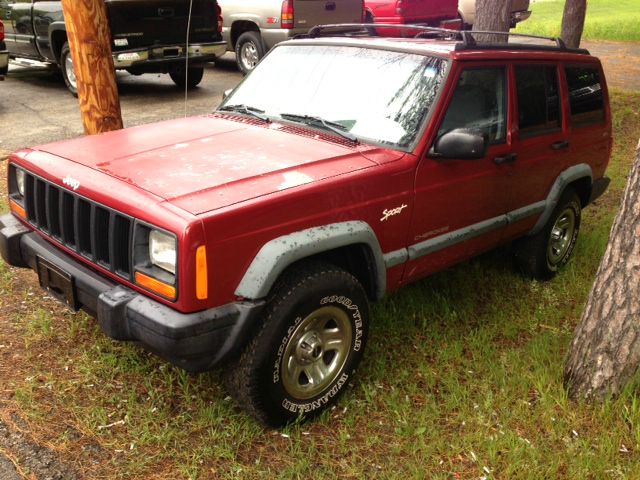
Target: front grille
100 234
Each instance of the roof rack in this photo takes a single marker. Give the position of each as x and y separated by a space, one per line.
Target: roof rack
466 37
370 29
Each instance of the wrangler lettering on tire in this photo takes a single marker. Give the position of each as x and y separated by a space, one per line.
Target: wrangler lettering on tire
311 341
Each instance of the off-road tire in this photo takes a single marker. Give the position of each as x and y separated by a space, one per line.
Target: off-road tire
66 62
195 76
249 51
260 380
535 255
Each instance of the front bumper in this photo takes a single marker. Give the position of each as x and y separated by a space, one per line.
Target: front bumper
198 53
193 341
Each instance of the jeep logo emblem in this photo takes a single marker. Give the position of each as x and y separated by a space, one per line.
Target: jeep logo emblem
71 182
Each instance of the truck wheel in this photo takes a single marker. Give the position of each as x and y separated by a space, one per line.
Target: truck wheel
68 72
307 350
249 51
193 79
542 254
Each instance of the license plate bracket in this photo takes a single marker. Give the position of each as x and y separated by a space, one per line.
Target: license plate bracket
57 282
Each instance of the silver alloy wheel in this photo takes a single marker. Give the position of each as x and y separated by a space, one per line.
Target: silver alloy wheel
71 73
316 352
249 55
561 236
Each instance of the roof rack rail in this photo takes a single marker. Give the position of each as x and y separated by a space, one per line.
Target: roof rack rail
370 29
469 41
467 37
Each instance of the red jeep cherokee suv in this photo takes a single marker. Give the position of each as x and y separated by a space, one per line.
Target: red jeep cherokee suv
341 168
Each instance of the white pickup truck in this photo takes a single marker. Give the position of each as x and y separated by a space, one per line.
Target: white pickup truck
252 27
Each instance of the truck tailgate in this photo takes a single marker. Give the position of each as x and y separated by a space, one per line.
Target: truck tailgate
317 12
161 22
421 10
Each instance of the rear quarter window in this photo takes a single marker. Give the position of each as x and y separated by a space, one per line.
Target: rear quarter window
585 95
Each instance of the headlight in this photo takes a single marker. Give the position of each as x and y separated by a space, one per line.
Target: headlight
162 251
20 181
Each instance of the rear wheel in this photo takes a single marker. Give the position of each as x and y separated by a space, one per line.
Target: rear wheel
68 70
312 339
193 78
249 51
542 254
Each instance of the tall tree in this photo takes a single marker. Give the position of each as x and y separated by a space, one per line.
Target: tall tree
90 44
494 16
605 352
573 22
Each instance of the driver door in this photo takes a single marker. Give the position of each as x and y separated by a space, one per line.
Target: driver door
460 204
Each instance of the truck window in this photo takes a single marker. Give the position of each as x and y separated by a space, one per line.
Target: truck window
479 103
538 99
585 95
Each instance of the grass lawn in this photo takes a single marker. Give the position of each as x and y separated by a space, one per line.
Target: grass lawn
462 379
606 20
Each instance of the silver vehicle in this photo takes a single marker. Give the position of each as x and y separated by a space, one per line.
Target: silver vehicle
252 27
519 11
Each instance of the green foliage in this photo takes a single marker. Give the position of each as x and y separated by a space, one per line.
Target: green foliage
606 20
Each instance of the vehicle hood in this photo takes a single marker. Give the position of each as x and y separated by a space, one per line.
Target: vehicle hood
204 163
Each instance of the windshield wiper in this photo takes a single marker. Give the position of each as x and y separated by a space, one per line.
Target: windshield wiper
321 122
242 108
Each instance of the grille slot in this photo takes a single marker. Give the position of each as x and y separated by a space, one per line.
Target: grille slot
68 224
98 233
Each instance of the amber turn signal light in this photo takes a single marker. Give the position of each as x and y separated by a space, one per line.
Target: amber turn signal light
156 286
202 287
17 209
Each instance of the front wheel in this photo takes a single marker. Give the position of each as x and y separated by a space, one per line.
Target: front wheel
191 80
542 254
307 350
68 70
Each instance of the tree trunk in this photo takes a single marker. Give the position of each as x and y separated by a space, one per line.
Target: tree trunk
573 22
605 351
494 16
90 44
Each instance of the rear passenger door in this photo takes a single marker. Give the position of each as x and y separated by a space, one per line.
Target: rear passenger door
540 141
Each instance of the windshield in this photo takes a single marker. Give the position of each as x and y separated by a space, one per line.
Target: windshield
373 95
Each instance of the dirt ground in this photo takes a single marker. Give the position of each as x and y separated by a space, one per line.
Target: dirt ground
22 458
621 62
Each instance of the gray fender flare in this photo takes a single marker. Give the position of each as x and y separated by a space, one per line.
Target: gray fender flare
279 253
571 174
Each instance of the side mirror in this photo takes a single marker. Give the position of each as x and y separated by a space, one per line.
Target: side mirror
227 93
460 143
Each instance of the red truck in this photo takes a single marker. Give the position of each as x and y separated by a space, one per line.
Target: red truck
340 169
436 13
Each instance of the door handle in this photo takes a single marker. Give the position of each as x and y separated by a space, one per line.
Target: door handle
560 145
508 158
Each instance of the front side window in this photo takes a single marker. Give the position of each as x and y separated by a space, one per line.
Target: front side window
479 103
538 99
375 95
585 95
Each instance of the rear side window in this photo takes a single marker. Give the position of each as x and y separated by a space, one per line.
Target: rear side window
538 99
585 95
479 103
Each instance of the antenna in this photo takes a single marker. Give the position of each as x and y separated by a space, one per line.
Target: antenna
186 59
